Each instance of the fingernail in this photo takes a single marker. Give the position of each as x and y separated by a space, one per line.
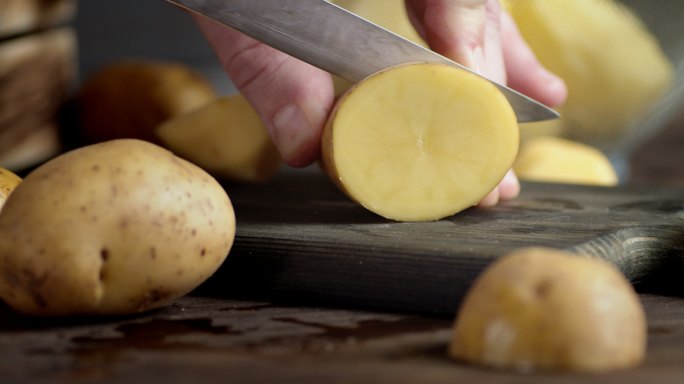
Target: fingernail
291 130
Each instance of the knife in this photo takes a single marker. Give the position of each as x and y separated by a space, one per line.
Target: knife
337 41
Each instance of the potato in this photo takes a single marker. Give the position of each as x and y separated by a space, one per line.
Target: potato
129 99
613 66
389 14
557 160
420 142
544 309
8 182
112 228
225 137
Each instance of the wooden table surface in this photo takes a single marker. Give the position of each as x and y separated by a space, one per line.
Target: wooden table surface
209 338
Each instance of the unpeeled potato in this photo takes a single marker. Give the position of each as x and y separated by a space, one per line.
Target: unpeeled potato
420 141
130 98
8 181
112 228
544 309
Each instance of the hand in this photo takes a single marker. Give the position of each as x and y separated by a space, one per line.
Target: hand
294 98
482 36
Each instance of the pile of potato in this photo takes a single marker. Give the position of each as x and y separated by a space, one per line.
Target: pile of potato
123 225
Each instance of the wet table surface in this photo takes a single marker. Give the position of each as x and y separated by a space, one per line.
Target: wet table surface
206 340
208 337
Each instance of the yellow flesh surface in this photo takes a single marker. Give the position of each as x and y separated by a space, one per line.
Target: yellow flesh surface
422 142
226 137
551 159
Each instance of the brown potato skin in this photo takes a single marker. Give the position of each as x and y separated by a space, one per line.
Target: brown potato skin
129 99
540 309
112 228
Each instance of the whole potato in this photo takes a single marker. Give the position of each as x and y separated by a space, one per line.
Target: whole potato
8 182
112 228
130 98
543 309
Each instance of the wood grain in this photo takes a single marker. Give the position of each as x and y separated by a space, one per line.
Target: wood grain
37 73
23 16
300 239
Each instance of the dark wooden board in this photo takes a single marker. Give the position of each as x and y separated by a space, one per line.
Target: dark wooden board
209 340
300 239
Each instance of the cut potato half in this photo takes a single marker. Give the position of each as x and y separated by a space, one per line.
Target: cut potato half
226 138
420 142
542 309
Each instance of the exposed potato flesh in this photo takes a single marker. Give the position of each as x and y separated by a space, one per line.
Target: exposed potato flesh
420 142
8 181
112 228
613 66
553 159
226 137
544 309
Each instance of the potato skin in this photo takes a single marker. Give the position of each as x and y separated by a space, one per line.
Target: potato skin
112 228
130 98
544 309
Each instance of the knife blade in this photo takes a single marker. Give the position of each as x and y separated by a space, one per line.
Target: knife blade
337 41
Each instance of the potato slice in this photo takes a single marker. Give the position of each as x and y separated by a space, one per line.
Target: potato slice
552 159
8 181
130 98
226 138
544 309
420 141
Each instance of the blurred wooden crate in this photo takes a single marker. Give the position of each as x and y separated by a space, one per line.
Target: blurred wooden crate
38 64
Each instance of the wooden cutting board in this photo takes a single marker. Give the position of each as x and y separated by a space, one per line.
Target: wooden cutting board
300 239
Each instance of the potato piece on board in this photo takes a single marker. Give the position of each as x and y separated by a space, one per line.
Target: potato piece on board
544 309
420 142
552 159
226 138
111 228
8 181
130 98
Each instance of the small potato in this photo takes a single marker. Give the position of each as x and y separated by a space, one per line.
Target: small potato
130 98
8 182
543 309
112 228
